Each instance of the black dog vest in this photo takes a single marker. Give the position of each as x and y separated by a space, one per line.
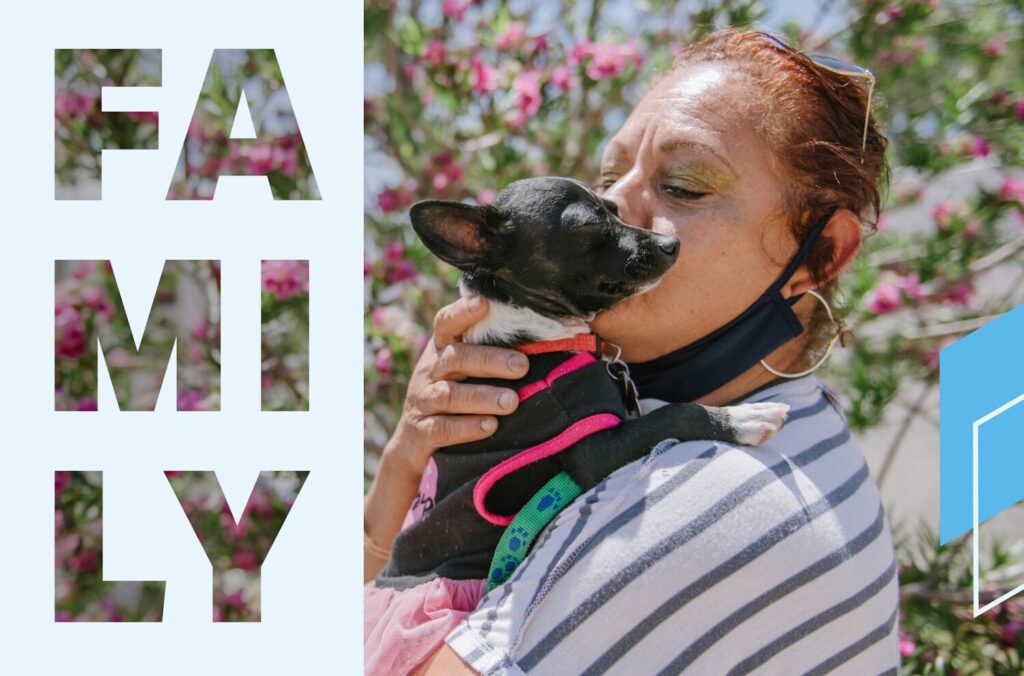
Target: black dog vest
564 398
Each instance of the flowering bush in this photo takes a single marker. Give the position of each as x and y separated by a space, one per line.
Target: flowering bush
235 546
83 130
88 311
465 96
285 335
81 594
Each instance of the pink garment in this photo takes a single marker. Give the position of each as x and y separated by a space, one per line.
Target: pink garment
403 627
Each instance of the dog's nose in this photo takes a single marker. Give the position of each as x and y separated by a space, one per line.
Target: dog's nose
667 245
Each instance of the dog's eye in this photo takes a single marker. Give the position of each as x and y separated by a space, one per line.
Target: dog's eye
611 287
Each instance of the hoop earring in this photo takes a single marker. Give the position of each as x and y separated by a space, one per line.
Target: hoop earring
828 351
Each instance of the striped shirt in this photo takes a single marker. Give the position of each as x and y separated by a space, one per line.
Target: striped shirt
708 558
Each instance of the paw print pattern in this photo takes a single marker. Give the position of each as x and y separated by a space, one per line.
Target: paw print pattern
518 538
552 498
503 567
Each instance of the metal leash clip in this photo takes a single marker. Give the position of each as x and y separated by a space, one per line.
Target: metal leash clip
619 371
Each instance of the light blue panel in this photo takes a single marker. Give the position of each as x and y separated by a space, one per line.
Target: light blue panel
978 374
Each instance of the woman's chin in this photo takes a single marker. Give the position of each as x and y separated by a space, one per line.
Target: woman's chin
614 322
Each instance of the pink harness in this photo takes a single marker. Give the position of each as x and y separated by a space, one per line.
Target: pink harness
574 433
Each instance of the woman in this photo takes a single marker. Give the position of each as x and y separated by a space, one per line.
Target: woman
701 557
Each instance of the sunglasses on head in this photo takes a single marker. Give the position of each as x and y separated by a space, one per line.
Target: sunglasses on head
839 67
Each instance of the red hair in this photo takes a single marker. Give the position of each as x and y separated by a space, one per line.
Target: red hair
813 121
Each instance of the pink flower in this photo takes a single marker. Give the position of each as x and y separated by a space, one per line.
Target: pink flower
978 147
235 531
941 213
1012 189
884 222
190 400
513 35
86 404
435 52
73 105
385 319
972 228
285 279
1017 217
960 295
401 271
259 158
383 361
528 96
894 12
1018 109
885 298
580 51
394 199
245 560
907 647
71 337
235 601
484 77
259 504
144 116
893 57
61 480
171 474
455 9
286 159
911 286
1008 633
608 59
394 251
994 48
563 79
485 196
84 561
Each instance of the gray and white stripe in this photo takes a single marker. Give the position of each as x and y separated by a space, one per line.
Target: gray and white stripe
707 558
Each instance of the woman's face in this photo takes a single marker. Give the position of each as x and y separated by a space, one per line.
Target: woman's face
688 162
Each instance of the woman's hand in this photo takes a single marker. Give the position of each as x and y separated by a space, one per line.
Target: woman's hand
439 410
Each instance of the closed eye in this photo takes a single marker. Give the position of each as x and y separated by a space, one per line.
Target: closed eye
682 193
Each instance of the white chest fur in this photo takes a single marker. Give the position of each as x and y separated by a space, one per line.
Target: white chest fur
505 323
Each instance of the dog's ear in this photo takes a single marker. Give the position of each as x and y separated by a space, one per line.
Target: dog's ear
460 234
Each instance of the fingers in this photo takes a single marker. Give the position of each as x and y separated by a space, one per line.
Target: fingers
446 396
448 430
461 360
454 319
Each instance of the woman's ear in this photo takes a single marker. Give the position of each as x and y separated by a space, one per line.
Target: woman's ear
844 231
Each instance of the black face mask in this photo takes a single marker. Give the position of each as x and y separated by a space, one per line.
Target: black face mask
705 365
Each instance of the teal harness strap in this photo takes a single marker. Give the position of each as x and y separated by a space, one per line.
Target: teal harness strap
515 542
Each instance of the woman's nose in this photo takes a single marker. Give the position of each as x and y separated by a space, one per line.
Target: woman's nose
632 199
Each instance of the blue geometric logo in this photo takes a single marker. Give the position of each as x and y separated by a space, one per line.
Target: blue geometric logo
981 421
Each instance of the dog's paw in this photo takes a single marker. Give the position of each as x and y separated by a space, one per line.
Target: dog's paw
755 424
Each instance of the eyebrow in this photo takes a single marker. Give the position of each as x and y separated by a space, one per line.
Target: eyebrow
616 151
676 144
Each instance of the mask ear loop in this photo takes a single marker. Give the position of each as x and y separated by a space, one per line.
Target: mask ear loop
831 344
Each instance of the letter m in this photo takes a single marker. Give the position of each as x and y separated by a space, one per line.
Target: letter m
90 318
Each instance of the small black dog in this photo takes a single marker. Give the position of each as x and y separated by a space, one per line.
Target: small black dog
548 254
